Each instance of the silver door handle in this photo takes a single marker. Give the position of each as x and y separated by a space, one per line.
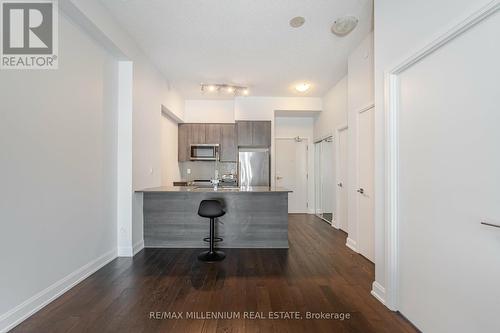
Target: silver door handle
490 224
360 190
340 185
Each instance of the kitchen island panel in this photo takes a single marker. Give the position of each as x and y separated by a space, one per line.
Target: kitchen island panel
252 220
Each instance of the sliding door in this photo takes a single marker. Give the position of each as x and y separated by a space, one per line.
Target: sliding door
324 181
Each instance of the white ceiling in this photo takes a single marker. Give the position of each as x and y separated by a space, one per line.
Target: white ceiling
244 42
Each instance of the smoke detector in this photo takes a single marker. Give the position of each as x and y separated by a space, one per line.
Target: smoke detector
344 25
297 22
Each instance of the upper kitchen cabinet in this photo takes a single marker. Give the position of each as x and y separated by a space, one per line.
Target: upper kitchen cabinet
228 146
189 134
197 133
254 133
212 133
261 133
184 142
245 134
222 134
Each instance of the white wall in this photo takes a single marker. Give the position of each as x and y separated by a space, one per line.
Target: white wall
58 132
398 32
148 95
65 209
124 159
170 171
334 112
150 90
263 108
360 89
209 111
334 115
249 108
360 72
291 127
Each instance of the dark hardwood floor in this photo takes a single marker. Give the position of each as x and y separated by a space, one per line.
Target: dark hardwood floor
317 274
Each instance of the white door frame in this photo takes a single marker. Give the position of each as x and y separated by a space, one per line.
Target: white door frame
318 141
339 129
307 164
391 156
354 186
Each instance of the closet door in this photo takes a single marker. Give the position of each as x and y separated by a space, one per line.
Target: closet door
449 162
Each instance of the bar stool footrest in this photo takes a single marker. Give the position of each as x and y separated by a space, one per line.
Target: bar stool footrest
216 239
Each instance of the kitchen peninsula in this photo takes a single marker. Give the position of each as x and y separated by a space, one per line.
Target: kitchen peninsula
256 217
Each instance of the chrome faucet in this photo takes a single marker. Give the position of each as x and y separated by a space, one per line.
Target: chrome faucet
215 182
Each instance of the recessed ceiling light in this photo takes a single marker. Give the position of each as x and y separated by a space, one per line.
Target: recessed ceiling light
302 87
297 22
344 25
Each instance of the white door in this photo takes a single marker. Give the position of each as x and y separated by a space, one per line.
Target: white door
365 188
291 172
324 172
342 184
449 181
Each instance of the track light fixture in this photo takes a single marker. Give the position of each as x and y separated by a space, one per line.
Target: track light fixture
224 88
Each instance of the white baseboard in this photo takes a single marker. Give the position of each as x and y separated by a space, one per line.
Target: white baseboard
378 292
125 251
13 317
138 246
130 251
351 244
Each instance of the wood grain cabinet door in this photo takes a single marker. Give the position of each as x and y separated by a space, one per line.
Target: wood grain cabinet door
213 133
261 134
183 144
245 133
228 146
197 133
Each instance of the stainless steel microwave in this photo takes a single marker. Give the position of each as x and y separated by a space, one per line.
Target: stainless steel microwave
204 152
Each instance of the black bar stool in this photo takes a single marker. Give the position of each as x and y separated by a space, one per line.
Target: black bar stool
211 209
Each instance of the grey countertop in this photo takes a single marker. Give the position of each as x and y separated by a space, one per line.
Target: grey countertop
252 189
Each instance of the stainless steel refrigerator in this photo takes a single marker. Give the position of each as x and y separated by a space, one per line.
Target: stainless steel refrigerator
254 167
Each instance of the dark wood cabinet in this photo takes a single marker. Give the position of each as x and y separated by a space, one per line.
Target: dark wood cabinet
261 134
254 133
197 133
183 144
228 136
222 134
228 145
245 133
212 133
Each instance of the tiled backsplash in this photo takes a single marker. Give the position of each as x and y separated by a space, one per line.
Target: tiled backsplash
206 170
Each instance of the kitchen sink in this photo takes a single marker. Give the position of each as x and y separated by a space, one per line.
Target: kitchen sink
220 189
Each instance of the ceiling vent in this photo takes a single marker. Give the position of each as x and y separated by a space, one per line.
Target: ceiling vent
344 25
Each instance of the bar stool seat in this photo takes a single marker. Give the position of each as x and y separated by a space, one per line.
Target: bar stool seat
211 209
